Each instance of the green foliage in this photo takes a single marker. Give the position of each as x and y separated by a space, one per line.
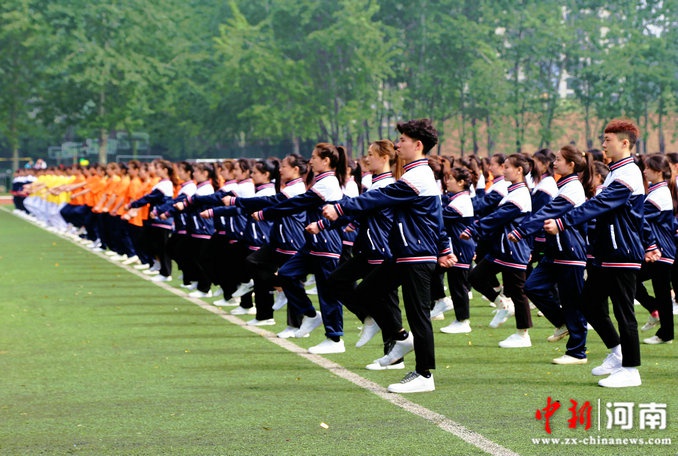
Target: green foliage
207 77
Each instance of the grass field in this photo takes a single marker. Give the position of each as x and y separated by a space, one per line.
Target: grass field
97 360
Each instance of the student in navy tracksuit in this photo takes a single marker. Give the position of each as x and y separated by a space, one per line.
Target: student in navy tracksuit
660 209
370 247
504 256
418 241
545 189
286 239
160 230
457 215
618 253
320 255
556 284
256 234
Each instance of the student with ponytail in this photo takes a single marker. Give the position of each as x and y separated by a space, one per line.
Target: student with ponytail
320 255
659 212
556 284
505 257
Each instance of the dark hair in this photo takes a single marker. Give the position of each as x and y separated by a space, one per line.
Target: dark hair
297 161
338 159
187 167
672 157
167 165
499 158
624 129
583 164
135 164
244 164
437 165
597 154
461 174
546 158
211 173
420 130
521 160
473 165
659 162
272 167
356 171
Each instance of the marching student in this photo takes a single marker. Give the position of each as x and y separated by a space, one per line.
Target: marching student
618 253
545 189
285 240
457 215
418 241
320 255
659 212
370 249
159 230
505 257
556 284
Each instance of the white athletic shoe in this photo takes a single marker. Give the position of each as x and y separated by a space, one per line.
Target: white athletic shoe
131 260
243 311
200 294
267 322
567 360
243 289
375 366
398 351
328 347
442 305
308 324
516 340
558 334
289 332
655 340
142 266
161 278
651 323
505 309
610 364
457 327
623 377
413 383
279 300
227 303
370 329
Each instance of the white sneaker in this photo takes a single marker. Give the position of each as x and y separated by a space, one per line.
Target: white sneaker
413 383
308 324
505 309
558 334
243 289
655 340
312 291
227 303
218 292
375 366
118 258
289 332
457 327
610 364
623 377
142 266
110 253
151 272
651 323
310 281
441 305
190 286
327 347
370 329
267 322
161 278
279 300
516 340
131 260
567 359
156 265
200 294
398 351
242 311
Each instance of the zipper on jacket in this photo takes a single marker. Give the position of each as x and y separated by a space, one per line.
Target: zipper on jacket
230 222
502 244
402 234
195 222
369 238
560 247
613 238
223 220
254 231
282 236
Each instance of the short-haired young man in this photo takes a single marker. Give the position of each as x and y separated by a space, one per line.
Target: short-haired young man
418 242
618 252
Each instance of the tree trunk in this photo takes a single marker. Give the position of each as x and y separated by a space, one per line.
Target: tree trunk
103 133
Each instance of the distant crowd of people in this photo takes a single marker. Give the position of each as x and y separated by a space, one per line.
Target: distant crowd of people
544 230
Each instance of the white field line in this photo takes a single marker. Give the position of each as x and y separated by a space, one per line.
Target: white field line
398 400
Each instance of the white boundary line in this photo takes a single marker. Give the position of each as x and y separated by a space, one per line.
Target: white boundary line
444 423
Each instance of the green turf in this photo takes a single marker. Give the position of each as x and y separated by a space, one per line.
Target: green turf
95 360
